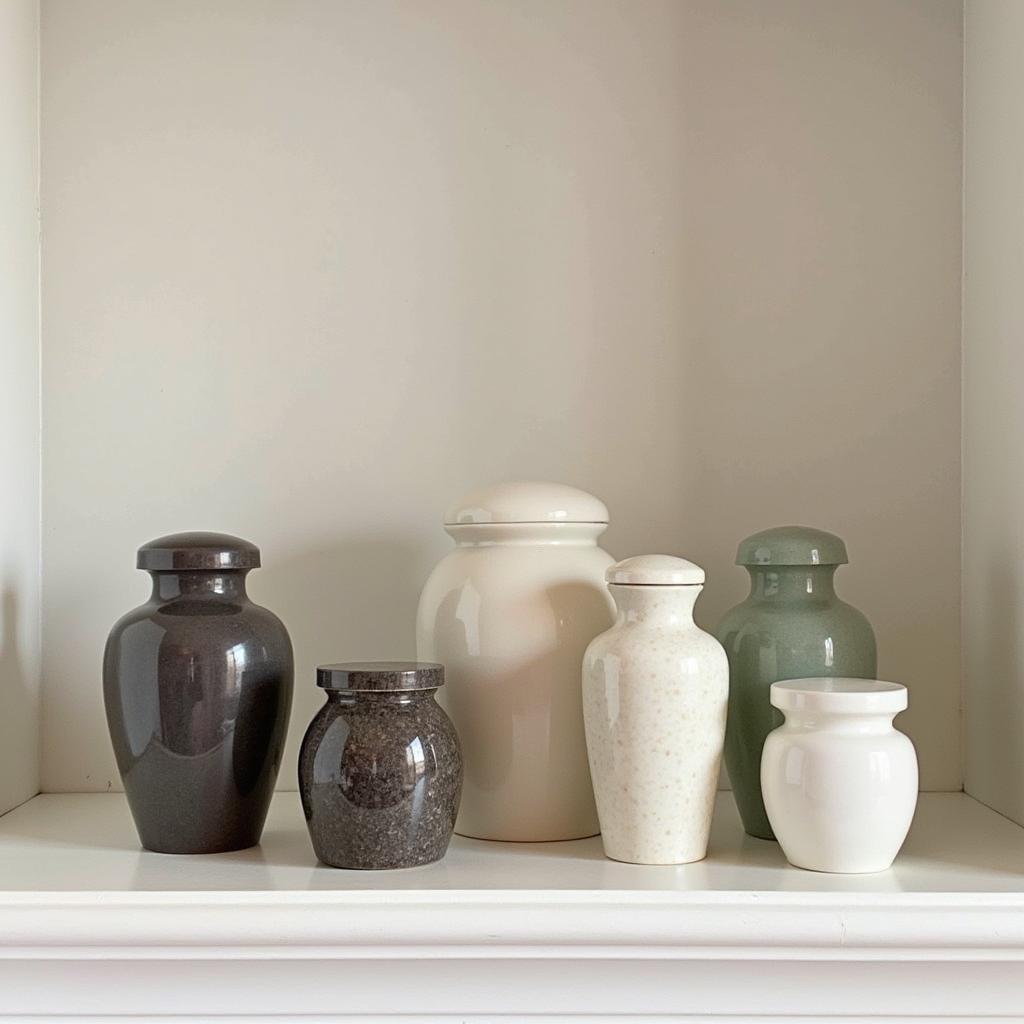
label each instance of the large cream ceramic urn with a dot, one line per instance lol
(509, 612)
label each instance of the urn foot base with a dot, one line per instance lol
(655, 861)
(433, 858)
(491, 837)
(849, 868)
(184, 850)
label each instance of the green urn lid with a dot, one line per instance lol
(792, 545)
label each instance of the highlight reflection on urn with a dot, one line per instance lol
(380, 769)
(510, 612)
(197, 684)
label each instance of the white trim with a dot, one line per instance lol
(513, 925)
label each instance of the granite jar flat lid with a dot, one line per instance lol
(379, 676)
(792, 545)
(198, 551)
(527, 502)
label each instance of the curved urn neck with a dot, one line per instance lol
(217, 584)
(670, 606)
(792, 582)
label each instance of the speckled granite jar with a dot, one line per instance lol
(380, 769)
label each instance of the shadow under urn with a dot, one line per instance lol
(380, 768)
(791, 626)
(197, 684)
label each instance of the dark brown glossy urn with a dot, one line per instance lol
(197, 684)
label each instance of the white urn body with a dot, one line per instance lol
(509, 613)
(839, 781)
(655, 694)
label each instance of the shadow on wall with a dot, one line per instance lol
(17, 701)
(354, 600)
(998, 665)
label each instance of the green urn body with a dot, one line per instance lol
(791, 626)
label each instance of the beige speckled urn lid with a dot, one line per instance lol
(655, 571)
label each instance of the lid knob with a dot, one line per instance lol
(198, 551)
(792, 545)
(655, 571)
(527, 502)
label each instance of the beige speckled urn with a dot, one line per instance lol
(655, 694)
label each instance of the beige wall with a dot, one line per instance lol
(994, 405)
(314, 268)
(19, 401)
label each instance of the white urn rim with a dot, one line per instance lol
(839, 695)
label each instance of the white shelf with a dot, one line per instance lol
(75, 888)
(86, 843)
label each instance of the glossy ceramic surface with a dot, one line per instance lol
(509, 612)
(521, 501)
(840, 783)
(655, 694)
(380, 770)
(197, 684)
(792, 625)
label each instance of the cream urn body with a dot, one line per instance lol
(509, 613)
(655, 695)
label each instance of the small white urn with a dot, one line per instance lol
(655, 693)
(839, 781)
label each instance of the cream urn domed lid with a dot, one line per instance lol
(527, 502)
(655, 571)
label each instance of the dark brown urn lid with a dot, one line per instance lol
(381, 675)
(198, 551)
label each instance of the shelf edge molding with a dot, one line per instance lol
(378, 925)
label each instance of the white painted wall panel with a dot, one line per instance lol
(994, 405)
(314, 268)
(20, 594)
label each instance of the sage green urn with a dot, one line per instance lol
(792, 626)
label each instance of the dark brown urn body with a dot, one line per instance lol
(197, 684)
(380, 769)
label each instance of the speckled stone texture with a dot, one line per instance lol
(655, 691)
(380, 769)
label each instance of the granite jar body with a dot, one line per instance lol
(380, 769)
(791, 626)
(510, 612)
(197, 684)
